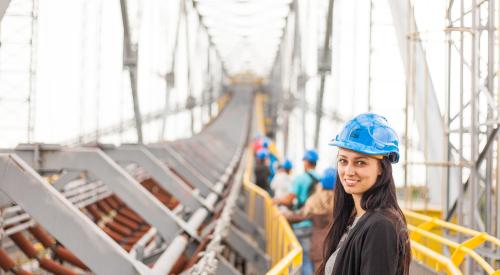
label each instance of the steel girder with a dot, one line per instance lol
(219, 142)
(248, 249)
(116, 178)
(157, 170)
(3, 7)
(63, 220)
(225, 268)
(130, 56)
(65, 178)
(185, 168)
(240, 220)
(102, 254)
(431, 128)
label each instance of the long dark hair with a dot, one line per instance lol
(381, 197)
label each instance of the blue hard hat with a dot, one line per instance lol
(311, 155)
(287, 164)
(265, 142)
(369, 134)
(329, 178)
(262, 154)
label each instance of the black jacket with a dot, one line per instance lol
(261, 175)
(371, 248)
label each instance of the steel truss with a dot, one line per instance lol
(18, 64)
(83, 176)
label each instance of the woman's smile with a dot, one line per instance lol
(351, 182)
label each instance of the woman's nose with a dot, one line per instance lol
(350, 169)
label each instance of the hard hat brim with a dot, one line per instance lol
(363, 149)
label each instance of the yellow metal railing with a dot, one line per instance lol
(259, 113)
(223, 100)
(440, 262)
(281, 244)
(423, 235)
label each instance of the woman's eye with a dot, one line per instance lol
(342, 161)
(360, 163)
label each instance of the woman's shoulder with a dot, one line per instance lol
(383, 219)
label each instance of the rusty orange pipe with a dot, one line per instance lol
(127, 222)
(9, 265)
(24, 244)
(68, 256)
(118, 228)
(104, 206)
(48, 264)
(114, 204)
(131, 215)
(94, 212)
(55, 267)
(49, 242)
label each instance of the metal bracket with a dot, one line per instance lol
(65, 179)
(184, 167)
(165, 178)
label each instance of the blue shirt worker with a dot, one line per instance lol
(301, 189)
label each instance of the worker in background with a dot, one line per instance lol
(300, 190)
(369, 233)
(261, 170)
(280, 185)
(273, 159)
(319, 209)
(257, 143)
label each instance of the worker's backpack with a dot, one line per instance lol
(311, 188)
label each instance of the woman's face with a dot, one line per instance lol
(357, 172)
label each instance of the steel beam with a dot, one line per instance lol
(431, 128)
(240, 219)
(208, 261)
(324, 69)
(67, 177)
(130, 56)
(184, 167)
(225, 268)
(165, 178)
(248, 250)
(4, 200)
(3, 7)
(116, 178)
(28, 189)
(487, 148)
(198, 159)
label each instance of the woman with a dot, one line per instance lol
(368, 234)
